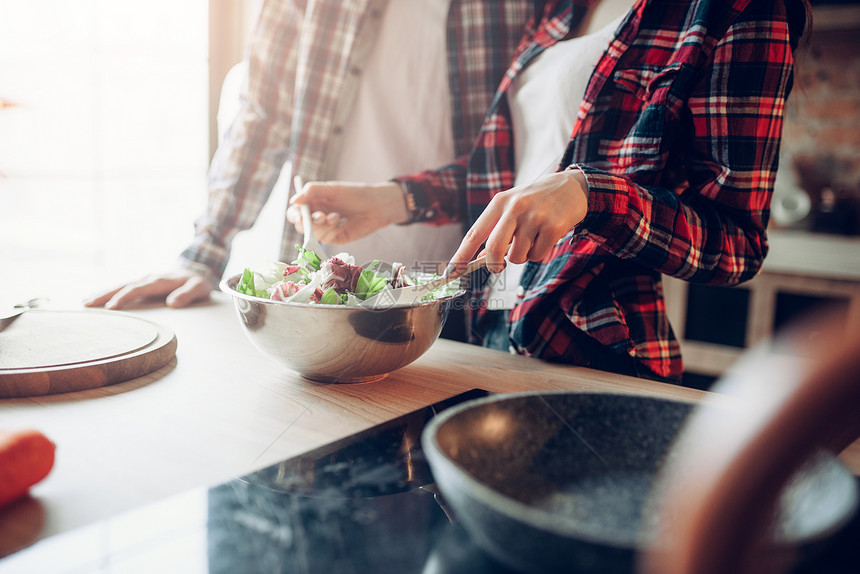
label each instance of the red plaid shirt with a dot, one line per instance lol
(678, 136)
(302, 82)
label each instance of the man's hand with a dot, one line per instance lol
(179, 288)
(344, 211)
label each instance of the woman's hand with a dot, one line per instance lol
(344, 211)
(179, 288)
(530, 218)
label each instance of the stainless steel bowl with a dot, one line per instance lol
(339, 344)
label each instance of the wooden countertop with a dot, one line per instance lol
(221, 409)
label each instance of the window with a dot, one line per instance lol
(103, 140)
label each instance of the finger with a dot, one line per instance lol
(122, 298)
(325, 222)
(100, 300)
(462, 256)
(541, 247)
(324, 230)
(192, 291)
(305, 193)
(497, 243)
(340, 233)
(320, 197)
(309, 193)
(126, 297)
(327, 228)
(298, 198)
(475, 237)
(294, 217)
(521, 246)
(136, 292)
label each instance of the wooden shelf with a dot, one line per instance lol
(827, 18)
(813, 254)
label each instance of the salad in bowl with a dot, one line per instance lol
(337, 280)
(313, 316)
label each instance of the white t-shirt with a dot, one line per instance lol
(544, 100)
(401, 124)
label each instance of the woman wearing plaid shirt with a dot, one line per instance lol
(669, 169)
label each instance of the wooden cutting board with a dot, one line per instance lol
(51, 351)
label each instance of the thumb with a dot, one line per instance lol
(303, 194)
(298, 198)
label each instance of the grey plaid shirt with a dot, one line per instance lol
(304, 61)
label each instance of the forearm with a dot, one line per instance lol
(243, 172)
(688, 237)
(248, 161)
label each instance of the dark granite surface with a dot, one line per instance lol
(364, 504)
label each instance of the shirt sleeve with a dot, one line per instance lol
(714, 230)
(434, 195)
(248, 161)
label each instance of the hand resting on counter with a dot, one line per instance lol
(178, 288)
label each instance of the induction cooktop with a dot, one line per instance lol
(364, 504)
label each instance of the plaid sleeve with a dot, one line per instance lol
(248, 162)
(713, 231)
(482, 37)
(435, 194)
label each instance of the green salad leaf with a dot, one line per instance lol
(246, 285)
(370, 282)
(307, 260)
(331, 297)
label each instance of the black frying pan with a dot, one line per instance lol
(560, 481)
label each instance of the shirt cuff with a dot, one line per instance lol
(200, 269)
(415, 200)
(607, 201)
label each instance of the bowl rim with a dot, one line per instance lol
(225, 287)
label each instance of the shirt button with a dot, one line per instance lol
(430, 213)
(337, 130)
(355, 71)
(375, 13)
